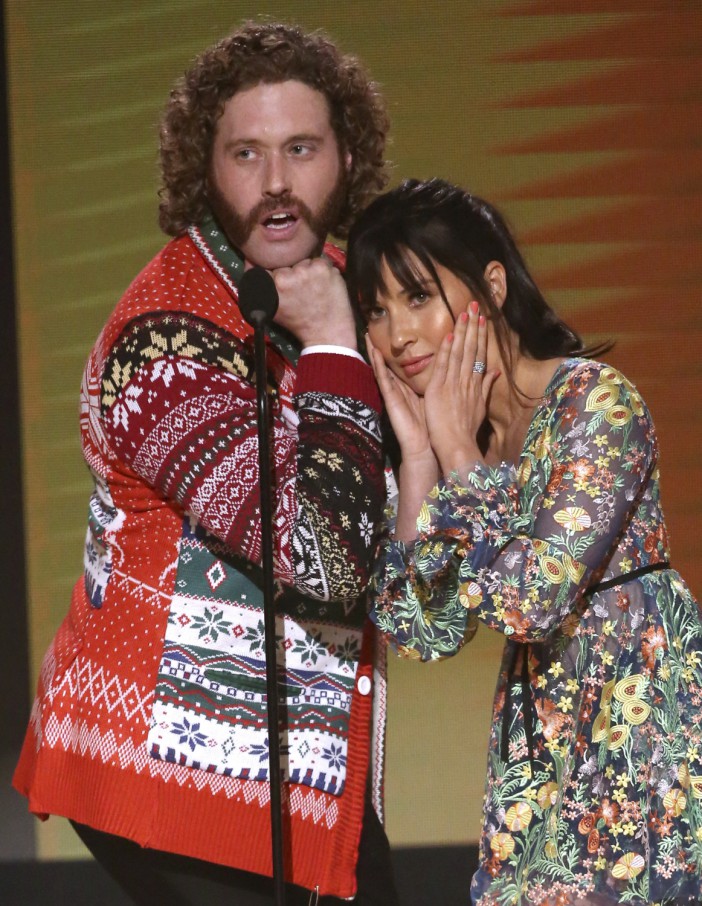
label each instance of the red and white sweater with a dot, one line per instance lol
(150, 717)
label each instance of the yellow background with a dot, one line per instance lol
(582, 119)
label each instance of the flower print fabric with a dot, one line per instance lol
(567, 556)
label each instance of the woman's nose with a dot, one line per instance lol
(402, 333)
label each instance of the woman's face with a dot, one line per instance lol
(407, 326)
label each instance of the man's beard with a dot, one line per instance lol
(238, 229)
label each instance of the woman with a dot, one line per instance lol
(529, 501)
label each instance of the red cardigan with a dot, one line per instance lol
(149, 721)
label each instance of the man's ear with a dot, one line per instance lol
(496, 279)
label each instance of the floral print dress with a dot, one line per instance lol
(594, 779)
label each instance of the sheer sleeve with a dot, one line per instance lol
(516, 550)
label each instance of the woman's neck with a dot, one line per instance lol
(511, 411)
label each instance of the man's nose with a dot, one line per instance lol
(276, 176)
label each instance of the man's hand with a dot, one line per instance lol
(314, 304)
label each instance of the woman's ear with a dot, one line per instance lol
(496, 279)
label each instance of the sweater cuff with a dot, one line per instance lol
(338, 375)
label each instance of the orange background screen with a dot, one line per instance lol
(581, 119)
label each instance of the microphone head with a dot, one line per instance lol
(258, 296)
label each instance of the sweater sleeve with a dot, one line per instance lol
(517, 550)
(178, 402)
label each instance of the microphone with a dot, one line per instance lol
(258, 296)
(258, 302)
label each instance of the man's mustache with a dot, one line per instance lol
(271, 205)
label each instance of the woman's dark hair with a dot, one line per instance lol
(268, 53)
(435, 222)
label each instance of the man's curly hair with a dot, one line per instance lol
(268, 53)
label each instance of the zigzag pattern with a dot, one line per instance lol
(83, 680)
(79, 737)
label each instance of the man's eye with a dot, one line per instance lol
(300, 150)
(245, 154)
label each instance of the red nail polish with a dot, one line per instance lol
(474, 307)
(449, 338)
(464, 316)
(481, 320)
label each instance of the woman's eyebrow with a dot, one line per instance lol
(419, 283)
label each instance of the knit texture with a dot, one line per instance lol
(150, 718)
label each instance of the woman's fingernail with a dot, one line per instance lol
(464, 316)
(449, 338)
(474, 307)
(481, 320)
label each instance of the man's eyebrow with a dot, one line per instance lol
(290, 140)
(304, 137)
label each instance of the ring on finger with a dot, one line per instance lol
(479, 367)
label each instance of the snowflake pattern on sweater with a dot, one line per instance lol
(177, 407)
(149, 722)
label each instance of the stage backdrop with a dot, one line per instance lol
(581, 118)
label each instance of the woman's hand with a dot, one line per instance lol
(419, 469)
(405, 410)
(458, 391)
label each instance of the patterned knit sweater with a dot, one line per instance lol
(150, 717)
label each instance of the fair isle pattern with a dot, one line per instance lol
(83, 739)
(220, 256)
(177, 339)
(170, 381)
(103, 518)
(102, 689)
(179, 408)
(80, 738)
(380, 691)
(210, 706)
(91, 426)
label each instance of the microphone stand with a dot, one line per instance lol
(266, 489)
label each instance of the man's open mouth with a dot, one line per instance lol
(279, 221)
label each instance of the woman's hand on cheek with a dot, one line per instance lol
(457, 393)
(405, 410)
(419, 469)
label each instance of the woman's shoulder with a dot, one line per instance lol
(599, 387)
(582, 371)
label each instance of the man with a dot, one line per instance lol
(149, 728)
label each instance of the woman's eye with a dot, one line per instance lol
(419, 297)
(376, 313)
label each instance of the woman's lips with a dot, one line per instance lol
(414, 366)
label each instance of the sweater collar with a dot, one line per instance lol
(228, 264)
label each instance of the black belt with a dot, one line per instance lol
(627, 577)
(524, 679)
